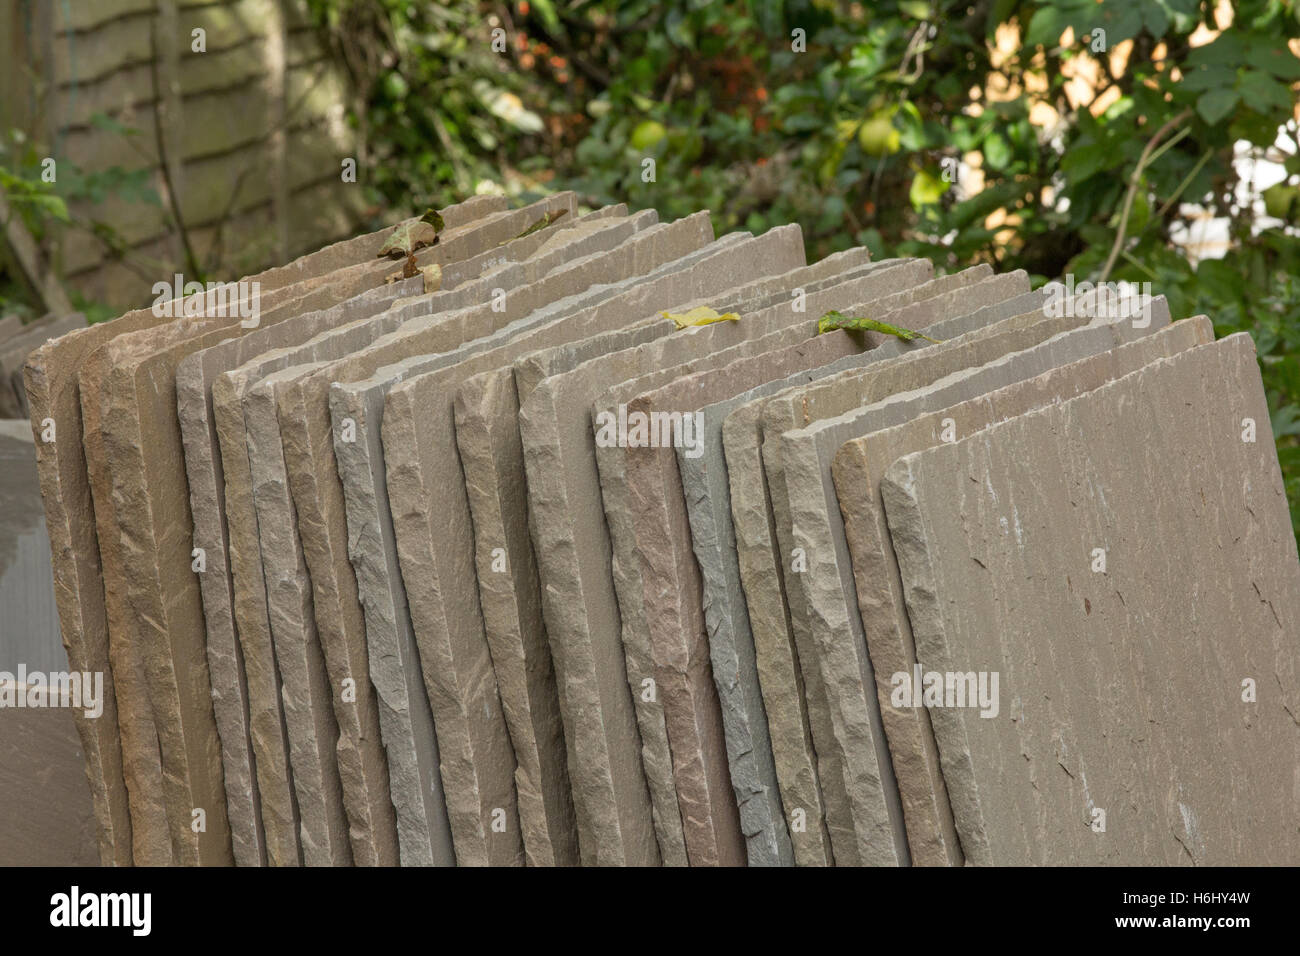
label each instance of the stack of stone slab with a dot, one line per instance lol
(505, 564)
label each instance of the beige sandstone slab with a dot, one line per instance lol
(13, 353)
(765, 749)
(246, 684)
(562, 471)
(395, 661)
(730, 809)
(307, 432)
(51, 387)
(824, 619)
(857, 470)
(653, 623)
(1120, 690)
(207, 494)
(781, 680)
(487, 435)
(287, 589)
(161, 622)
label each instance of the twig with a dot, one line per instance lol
(191, 260)
(1134, 180)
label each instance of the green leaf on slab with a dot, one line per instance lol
(834, 320)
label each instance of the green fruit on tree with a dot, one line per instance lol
(647, 135)
(878, 137)
(1278, 200)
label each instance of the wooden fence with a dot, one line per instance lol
(243, 142)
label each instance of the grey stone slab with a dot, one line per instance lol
(676, 651)
(857, 470)
(50, 380)
(13, 353)
(487, 435)
(250, 719)
(1126, 690)
(262, 524)
(823, 614)
(726, 785)
(10, 326)
(231, 667)
(30, 633)
(758, 564)
(357, 412)
(721, 606)
(575, 562)
(318, 497)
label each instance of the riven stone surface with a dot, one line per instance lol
(51, 385)
(153, 542)
(824, 615)
(767, 306)
(857, 470)
(689, 701)
(246, 685)
(792, 705)
(307, 432)
(357, 413)
(487, 434)
(726, 784)
(256, 716)
(605, 763)
(995, 536)
(262, 514)
(575, 556)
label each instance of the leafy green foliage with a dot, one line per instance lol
(1098, 131)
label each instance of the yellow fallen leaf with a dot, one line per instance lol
(432, 277)
(700, 315)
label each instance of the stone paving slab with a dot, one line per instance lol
(761, 573)
(487, 434)
(541, 778)
(318, 499)
(10, 326)
(824, 615)
(246, 684)
(562, 471)
(1120, 690)
(261, 514)
(13, 353)
(50, 381)
(686, 696)
(753, 734)
(766, 305)
(611, 799)
(857, 469)
(153, 540)
(357, 413)
(712, 738)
